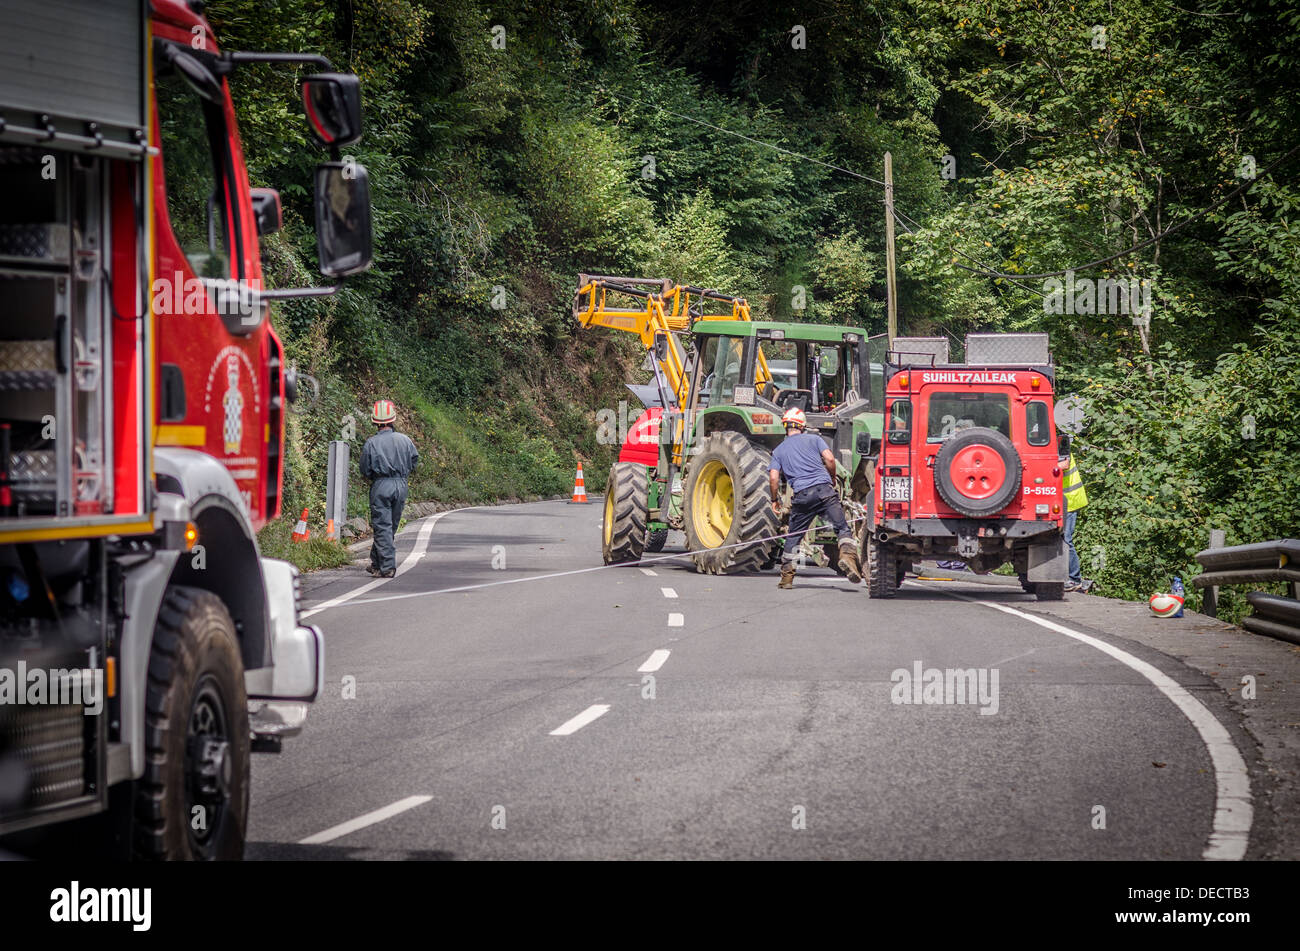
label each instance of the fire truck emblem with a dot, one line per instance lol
(233, 402)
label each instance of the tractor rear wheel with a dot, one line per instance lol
(627, 499)
(726, 505)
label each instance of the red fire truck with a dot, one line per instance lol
(146, 646)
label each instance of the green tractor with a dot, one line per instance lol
(714, 447)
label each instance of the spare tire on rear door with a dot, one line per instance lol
(977, 472)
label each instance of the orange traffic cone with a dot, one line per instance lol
(300, 531)
(579, 489)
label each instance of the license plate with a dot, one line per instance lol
(897, 489)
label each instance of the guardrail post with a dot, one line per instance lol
(336, 489)
(1210, 607)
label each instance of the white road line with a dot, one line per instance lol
(593, 712)
(649, 571)
(676, 620)
(369, 819)
(410, 561)
(1233, 813)
(668, 592)
(655, 661)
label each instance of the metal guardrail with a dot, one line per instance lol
(1263, 562)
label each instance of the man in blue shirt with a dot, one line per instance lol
(809, 467)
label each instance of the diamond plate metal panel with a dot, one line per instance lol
(922, 350)
(986, 350)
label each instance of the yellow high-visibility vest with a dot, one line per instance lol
(1075, 496)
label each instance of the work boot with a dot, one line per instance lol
(849, 561)
(787, 575)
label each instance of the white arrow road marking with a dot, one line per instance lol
(410, 561)
(668, 592)
(593, 712)
(1233, 813)
(655, 661)
(676, 620)
(369, 819)
(648, 571)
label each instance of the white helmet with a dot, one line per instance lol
(794, 417)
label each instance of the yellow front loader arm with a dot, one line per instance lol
(668, 310)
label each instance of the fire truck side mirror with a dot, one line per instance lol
(266, 210)
(343, 238)
(333, 105)
(1063, 442)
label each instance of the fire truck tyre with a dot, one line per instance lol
(627, 500)
(1049, 590)
(880, 565)
(192, 801)
(977, 471)
(727, 503)
(655, 540)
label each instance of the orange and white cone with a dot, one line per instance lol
(579, 489)
(300, 531)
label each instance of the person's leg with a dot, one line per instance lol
(382, 524)
(802, 513)
(833, 511)
(1076, 569)
(376, 515)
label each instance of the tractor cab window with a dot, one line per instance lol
(833, 368)
(952, 412)
(728, 355)
(196, 163)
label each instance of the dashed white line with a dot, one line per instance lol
(369, 819)
(655, 661)
(649, 571)
(676, 620)
(1233, 812)
(593, 712)
(668, 592)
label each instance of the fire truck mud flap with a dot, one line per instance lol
(1048, 561)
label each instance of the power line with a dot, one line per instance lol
(740, 135)
(1244, 186)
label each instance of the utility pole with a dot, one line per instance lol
(891, 283)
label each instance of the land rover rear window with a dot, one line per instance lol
(952, 412)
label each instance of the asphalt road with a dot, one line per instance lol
(770, 729)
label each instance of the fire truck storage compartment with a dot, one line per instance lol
(55, 381)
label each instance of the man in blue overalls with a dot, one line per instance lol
(387, 460)
(809, 467)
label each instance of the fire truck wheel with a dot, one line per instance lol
(1049, 591)
(627, 499)
(977, 471)
(727, 503)
(192, 801)
(655, 540)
